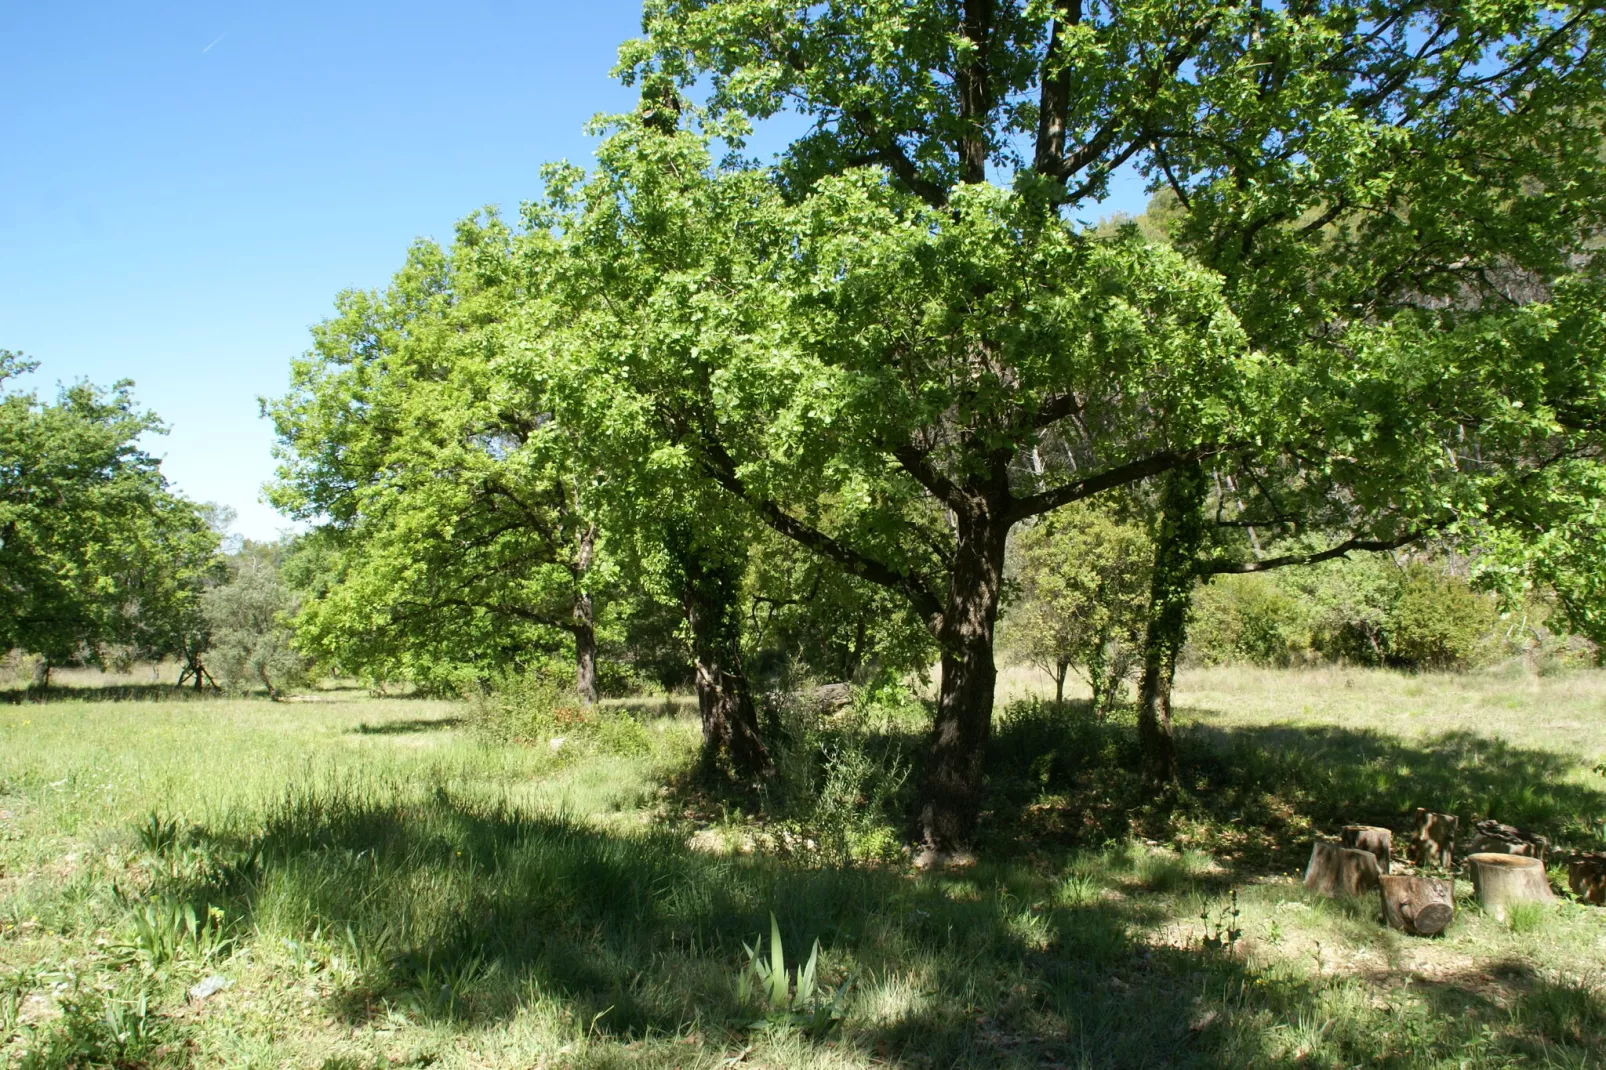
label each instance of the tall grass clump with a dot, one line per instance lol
(841, 791)
(539, 708)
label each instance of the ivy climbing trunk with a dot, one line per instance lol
(724, 700)
(955, 766)
(1176, 553)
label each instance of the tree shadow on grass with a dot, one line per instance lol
(1257, 795)
(406, 726)
(1322, 778)
(459, 909)
(466, 910)
(107, 693)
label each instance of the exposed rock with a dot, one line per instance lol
(208, 987)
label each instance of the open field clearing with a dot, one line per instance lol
(377, 885)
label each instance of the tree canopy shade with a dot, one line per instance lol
(95, 551)
(877, 351)
(457, 533)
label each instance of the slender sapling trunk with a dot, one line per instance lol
(584, 627)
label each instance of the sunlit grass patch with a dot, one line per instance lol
(469, 902)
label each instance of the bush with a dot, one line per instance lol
(1438, 621)
(537, 708)
(840, 790)
(252, 641)
(1247, 618)
(1367, 610)
(1347, 604)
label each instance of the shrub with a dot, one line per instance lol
(1438, 621)
(840, 782)
(1347, 604)
(537, 708)
(523, 707)
(249, 619)
(1247, 618)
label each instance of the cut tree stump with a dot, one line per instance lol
(1586, 876)
(1496, 838)
(1433, 840)
(1378, 841)
(1502, 879)
(1420, 905)
(1338, 870)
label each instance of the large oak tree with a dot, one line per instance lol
(920, 310)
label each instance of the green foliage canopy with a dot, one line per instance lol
(456, 532)
(97, 555)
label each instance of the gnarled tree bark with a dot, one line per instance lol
(963, 725)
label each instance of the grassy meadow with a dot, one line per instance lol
(371, 882)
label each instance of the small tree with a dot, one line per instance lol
(98, 556)
(249, 621)
(1084, 580)
(457, 530)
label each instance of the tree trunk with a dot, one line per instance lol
(1060, 669)
(1503, 879)
(585, 630)
(1098, 679)
(1421, 905)
(1176, 554)
(955, 766)
(1338, 870)
(41, 674)
(1433, 839)
(1379, 841)
(1586, 876)
(585, 651)
(1493, 837)
(730, 720)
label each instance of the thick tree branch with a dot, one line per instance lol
(1348, 546)
(1055, 97)
(517, 612)
(973, 80)
(1052, 410)
(721, 467)
(1119, 476)
(888, 153)
(917, 462)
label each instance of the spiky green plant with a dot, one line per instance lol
(797, 1002)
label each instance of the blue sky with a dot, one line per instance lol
(187, 186)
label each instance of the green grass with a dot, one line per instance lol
(379, 886)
